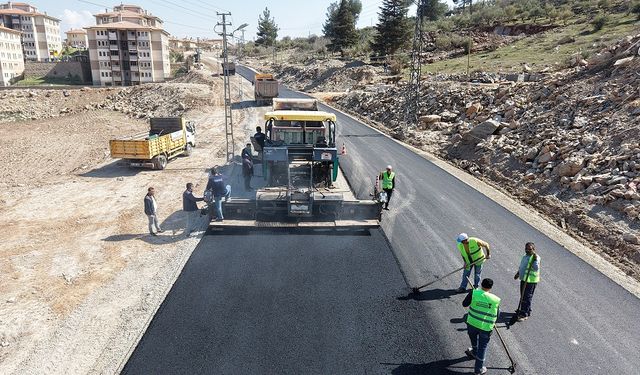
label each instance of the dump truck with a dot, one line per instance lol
(265, 88)
(302, 184)
(229, 68)
(167, 138)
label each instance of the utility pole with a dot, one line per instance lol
(412, 97)
(228, 119)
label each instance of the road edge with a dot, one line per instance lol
(531, 217)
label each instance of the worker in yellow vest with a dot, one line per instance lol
(471, 249)
(529, 274)
(388, 181)
(484, 309)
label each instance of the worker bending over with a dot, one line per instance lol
(473, 255)
(529, 274)
(484, 309)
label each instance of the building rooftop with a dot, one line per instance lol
(126, 13)
(77, 31)
(25, 13)
(122, 25)
(6, 29)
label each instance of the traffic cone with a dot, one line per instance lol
(344, 149)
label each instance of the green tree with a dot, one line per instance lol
(342, 31)
(392, 28)
(354, 6)
(433, 10)
(267, 29)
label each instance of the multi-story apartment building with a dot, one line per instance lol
(41, 38)
(128, 47)
(11, 60)
(77, 38)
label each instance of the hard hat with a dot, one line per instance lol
(388, 167)
(462, 237)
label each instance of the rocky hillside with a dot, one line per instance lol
(568, 145)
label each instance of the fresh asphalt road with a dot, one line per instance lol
(328, 303)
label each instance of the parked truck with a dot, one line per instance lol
(265, 88)
(228, 69)
(167, 138)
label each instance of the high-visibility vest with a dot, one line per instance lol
(530, 276)
(387, 179)
(475, 253)
(483, 311)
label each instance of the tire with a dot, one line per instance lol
(160, 162)
(188, 149)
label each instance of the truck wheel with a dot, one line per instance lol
(188, 149)
(159, 162)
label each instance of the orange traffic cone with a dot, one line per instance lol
(344, 150)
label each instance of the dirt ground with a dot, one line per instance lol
(80, 277)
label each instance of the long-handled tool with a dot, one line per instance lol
(512, 367)
(416, 289)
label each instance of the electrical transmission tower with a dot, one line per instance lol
(412, 98)
(228, 119)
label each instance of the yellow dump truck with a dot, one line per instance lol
(167, 138)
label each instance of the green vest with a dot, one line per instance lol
(387, 179)
(531, 276)
(483, 311)
(475, 251)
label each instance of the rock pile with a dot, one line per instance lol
(327, 75)
(149, 100)
(569, 144)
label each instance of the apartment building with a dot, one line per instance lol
(77, 38)
(128, 47)
(41, 38)
(11, 60)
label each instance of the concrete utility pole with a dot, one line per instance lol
(228, 118)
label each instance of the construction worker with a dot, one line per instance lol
(484, 309)
(220, 189)
(247, 172)
(190, 208)
(260, 138)
(151, 210)
(529, 274)
(388, 181)
(471, 249)
(247, 153)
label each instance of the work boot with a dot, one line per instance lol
(461, 290)
(469, 353)
(483, 371)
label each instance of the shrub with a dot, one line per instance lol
(600, 21)
(443, 42)
(396, 65)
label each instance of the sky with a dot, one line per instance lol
(197, 18)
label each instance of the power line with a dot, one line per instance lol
(178, 6)
(205, 5)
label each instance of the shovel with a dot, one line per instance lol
(416, 289)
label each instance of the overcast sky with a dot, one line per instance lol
(197, 18)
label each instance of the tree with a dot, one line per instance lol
(342, 31)
(433, 10)
(267, 29)
(354, 6)
(392, 28)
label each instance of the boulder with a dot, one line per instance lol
(430, 119)
(485, 129)
(570, 167)
(473, 109)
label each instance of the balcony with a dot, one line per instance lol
(114, 58)
(113, 36)
(113, 47)
(133, 57)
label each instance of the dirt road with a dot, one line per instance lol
(80, 276)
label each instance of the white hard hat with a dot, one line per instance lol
(462, 237)
(388, 167)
